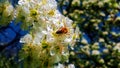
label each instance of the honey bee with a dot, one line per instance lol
(62, 30)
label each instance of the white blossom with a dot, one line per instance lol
(101, 40)
(71, 66)
(105, 51)
(26, 39)
(84, 41)
(60, 66)
(95, 52)
(117, 47)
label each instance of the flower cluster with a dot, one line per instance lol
(51, 33)
(6, 13)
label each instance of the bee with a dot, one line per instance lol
(62, 30)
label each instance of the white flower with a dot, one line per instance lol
(68, 40)
(105, 51)
(9, 10)
(95, 52)
(105, 32)
(26, 39)
(60, 66)
(96, 43)
(71, 66)
(101, 61)
(84, 41)
(101, 40)
(106, 1)
(44, 32)
(117, 47)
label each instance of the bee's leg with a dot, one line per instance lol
(60, 49)
(68, 34)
